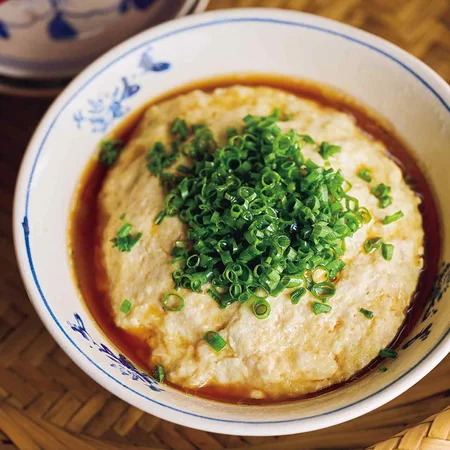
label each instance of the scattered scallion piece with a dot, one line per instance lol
(387, 250)
(365, 175)
(381, 192)
(160, 217)
(320, 308)
(109, 152)
(382, 369)
(122, 216)
(365, 215)
(372, 244)
(124, 240)
(368, 314)
(307, 139)
(385, 202)
(323, 291)
(261, 308)
(297, 295)
(180, 128)
(215, 340)
(159, 373)
(173, 302)
(260, 218)
(393, 217)
(326, 150)
(158, 160)
(126, 306)
(388, 353)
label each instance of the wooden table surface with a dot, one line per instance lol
(43, 392)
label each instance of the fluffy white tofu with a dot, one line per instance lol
(292, 352)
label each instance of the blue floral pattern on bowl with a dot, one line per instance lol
(104, 110)
(118, 361)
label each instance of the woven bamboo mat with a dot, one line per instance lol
(47, 402)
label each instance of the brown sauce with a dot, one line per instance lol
(85, 227)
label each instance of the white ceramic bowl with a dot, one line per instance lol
(391, 82)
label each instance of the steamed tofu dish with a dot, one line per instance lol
(256, 241)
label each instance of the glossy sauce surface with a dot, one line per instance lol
(86, 225)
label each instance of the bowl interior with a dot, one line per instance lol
(413, 99)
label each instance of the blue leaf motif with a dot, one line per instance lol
(129, 89)
(79, 327)
(143, 4)
(161, 66)
(59, 28)
(4, 33)
(108, 107)
(119, 362)
(147, 63)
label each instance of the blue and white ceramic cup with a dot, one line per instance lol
(51, 39)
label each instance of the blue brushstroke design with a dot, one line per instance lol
(60, 29)
(118, 361)
(4, 33)
(143, 4)
(146, 62)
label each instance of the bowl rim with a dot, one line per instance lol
(415, 67)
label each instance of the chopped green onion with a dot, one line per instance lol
(381, 192)
(387, 250)
(388, 353)
(385, 202)
(159, 373)
(372, 244)
(290, 281)
(365, 175)
(215, 340)
(259, 216)
(109, 152)
(297, 295)
(307, 139)
(124, 241)
(382, 369)
(365, 215)
(158, 159)
(326, 150)
(126, 306)
(160, 217)
(180, 128)
(122, 216)
(173, 302)
(392, 218)
(324, 290)
(320, 308)
(368, 314)
(261, 308)
(320, 274)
